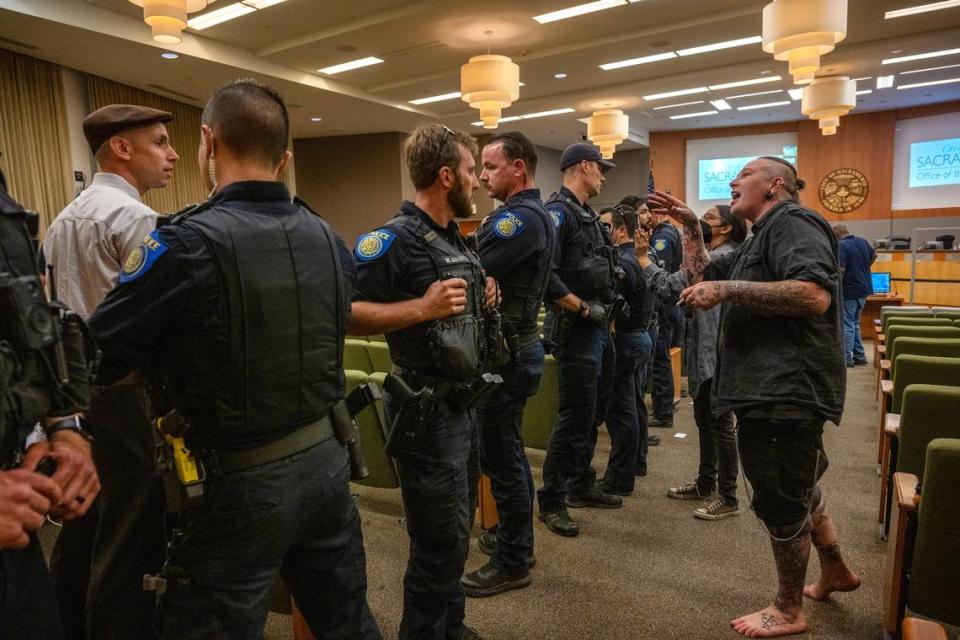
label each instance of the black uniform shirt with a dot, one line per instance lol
(631, 287)
(665, 240)
(569, 250)
(771, 365)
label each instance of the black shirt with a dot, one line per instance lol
(777, 366)
(665, 240)
(633, 288)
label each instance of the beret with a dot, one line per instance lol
(100, 125)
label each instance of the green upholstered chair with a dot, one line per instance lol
(370, 425)
(355, 355)
(923, 566)
(913, 331)
(950, 315)
(379, 354)
(377, 338)
(542, 409)
(916, 320)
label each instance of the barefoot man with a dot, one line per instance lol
(780, 369)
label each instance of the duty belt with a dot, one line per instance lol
(300, 440)
(442, 387)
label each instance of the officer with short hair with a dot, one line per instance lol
(582, 290)
(665, 241)
(516, 245)
(419, 283)
(237, 312)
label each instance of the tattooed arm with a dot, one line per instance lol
(785, 298)
(695, 256)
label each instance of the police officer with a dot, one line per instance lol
(581, 288)
(237, 312)
(44, 377)
(418, 282)
(516, 244)
(665, 240)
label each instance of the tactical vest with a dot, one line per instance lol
(523, 289)
(587, 262)
(279, 330)
(450, 347)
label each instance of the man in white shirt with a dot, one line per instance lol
(99, 561)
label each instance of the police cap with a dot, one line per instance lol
(106, 121)
(582, 151)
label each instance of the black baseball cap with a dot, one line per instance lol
(582, 151)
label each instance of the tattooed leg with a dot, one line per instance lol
(785, 616)
(834, 573)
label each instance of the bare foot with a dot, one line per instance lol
(829, 582)
(768, 623)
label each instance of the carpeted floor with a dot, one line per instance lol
(650, 569)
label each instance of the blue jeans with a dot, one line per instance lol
(503, 458)
(620, 404)
(293, 516)
(851, 330)
(585, 357)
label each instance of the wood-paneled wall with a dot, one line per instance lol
(863, 142)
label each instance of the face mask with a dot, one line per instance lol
(707, 232)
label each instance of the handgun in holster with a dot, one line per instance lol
(619, 310)
(413, 404)
(182, 473)
(344, 414)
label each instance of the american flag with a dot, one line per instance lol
(650, 187)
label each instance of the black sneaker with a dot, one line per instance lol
(653, 440)
(603, 487)
(661, 423)
(688, 491)
(560, 523)
(592, 497)
(487, 543)
(489, 580)
(860, 363)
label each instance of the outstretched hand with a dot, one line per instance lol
(664, 204)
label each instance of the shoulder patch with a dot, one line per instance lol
(371, 246)
(508, 225)
(659, 244)
(556, 214)
(142, 258)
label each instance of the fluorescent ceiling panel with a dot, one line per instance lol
(350, 66)
(679, 104)
(578, 10)
(220, 15)
(693, 115)
(923, 8)
(763, 106)
(744, 83)
(674, 94)
(864, 92)
(635, 61)
(528, 116)
(729, 44)
(946, 66)
(721, 105)
(921, 56)
(439, 98)
(750, 95)
(928, 84)
(884, 82)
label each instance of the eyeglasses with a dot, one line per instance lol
(443, 143)
(607, 225)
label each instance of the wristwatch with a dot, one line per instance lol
(73, 423)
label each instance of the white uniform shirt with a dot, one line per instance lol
(92, 237)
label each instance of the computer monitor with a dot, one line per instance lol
(881, 282)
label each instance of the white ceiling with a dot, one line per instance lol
(424, 42)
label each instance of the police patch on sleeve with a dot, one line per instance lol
(659, 244)
(371, 246)
(142, 258)
(556, 214)
(508, 225)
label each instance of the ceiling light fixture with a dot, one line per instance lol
(946, 66)
(928, 84)
(744, 83)
(168, 18)
(721, 105)
(439, 98)
(827, 99)
(578, 10)
(729, 44)
(795, 94)
(750, 95)
(674, 94)
(921, 56)
(693, 115)
(800, 31)
(169, 55)
(884, 82)
(679, 104)
(764, 105)
(607, 128)
(863, 92)
(490, 83)
(923, 8)
(657, 57)
(350, 66)
(316, 119)
(211, 18)
(528, 116)
(560, 76)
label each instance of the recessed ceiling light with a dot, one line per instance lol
(316, 119)
(217, 16)
(578, 10)
(896, 51)
(349, 66)
(560, 76)
(764, 72)
(864, 92)
(923, 8)
(928, 84)
(946, 66)
(884, 82)
(439, 98)
(657, 57)
(679, 104)
(921, 56)
(750, 95)
(763, 106)
(674, 94)
(693, 115)
(721, 105)
(169, 55)
(795, 94)
(744, 83)
(716, 46)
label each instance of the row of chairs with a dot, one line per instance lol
(918, 382)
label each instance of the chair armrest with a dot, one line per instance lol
(905, 485)
(881, 337)
(886, 387)
(882, 349)
(917, 629)
(891, 424)
(885, 365)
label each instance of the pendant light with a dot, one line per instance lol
(800, 31)
(607, 128)
(167, 18)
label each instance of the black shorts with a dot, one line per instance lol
(783, 461)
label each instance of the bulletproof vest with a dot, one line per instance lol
(279, 330)
(450, 347)
(587, 262)
(523, 289)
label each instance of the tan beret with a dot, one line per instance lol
(113, 118)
